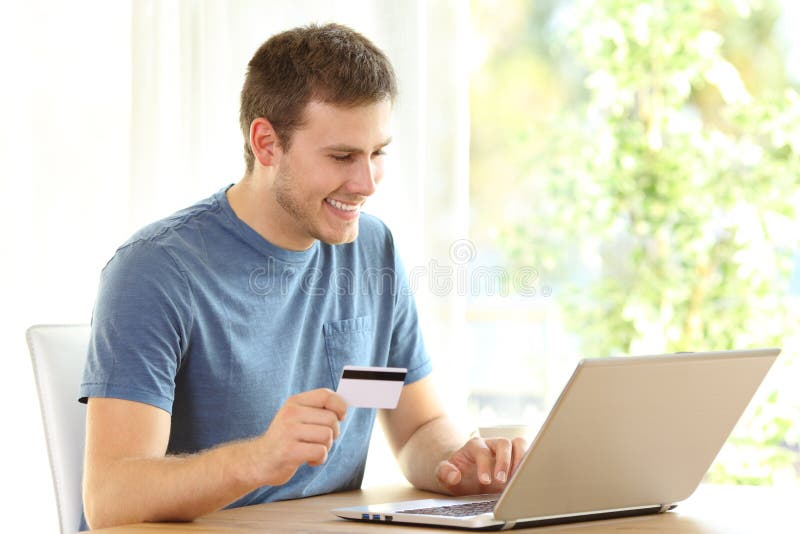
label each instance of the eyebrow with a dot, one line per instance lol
(354, 150)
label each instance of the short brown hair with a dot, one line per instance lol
(330, 63)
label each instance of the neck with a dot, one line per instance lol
(252, 200)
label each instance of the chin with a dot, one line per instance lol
(340, 239)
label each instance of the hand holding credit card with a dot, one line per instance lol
(371, 387)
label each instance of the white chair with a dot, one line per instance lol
(58, 354)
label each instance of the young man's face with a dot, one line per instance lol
(332, 166)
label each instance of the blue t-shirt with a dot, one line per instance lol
(199, 316)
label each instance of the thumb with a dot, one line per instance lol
(448, 474)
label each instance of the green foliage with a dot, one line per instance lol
(662, 204)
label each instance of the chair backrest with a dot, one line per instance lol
(58, 354)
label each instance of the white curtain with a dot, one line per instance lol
(115, 114)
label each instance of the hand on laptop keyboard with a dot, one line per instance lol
(481, 466)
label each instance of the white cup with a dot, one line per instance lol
(505, 431)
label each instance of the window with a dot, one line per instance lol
(639, 161)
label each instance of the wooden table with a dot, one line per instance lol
(712, 509)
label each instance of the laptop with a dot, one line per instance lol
(627, 436)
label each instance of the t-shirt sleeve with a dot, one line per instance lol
(140, 327)
(407, 347)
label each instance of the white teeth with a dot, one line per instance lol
(339, 206)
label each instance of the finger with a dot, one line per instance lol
(315, 416)
(448, 474)
(337, 405)
(483, 458)
(318, 434)
(518, 449)
(502, 457)
(323, 417)
(322, 398)
(313, 454)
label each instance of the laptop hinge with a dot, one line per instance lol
(508, 525)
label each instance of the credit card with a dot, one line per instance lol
(371, 387)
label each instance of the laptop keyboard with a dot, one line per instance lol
(455, 510)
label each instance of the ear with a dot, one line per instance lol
(264, 142)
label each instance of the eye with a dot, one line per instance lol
(378, 153)
(341, 157)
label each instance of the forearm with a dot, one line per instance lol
(170, 488)
(433, 442)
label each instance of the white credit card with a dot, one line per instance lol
(371, 387)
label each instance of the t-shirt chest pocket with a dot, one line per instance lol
(348, 342)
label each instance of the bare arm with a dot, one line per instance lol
(420, 434)
(128, 477)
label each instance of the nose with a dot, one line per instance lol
(366, 178)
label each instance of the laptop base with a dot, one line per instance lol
(405, 520)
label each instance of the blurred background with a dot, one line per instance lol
(644, 159)
(568, 179)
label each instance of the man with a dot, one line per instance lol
(219, 333)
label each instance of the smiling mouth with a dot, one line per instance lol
(341, 206)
